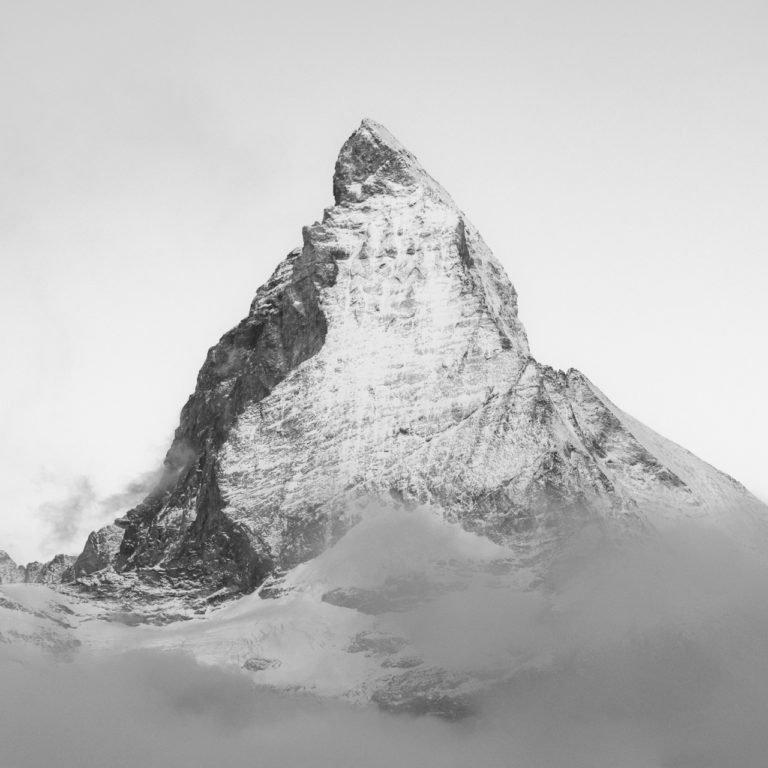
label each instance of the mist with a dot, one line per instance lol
(648, 654)
(76, 509)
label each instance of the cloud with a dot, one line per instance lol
(131, 494)
(77, 511)
(64, 517)
(651, 654)
(164, 710)
(659, 657)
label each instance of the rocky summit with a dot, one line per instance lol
(382, 367)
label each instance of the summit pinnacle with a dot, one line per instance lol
(372, 161)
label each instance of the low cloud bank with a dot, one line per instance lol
(145, 710)
(649, 655)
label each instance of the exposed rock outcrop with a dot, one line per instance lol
(53, 572)
(100, 550)
(10, 573)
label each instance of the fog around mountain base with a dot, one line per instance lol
(653, 654)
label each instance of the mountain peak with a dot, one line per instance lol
(380, 132)
(385, 360)
(372, 161)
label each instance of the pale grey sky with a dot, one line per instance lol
(157, 159)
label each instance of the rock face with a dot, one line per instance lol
(385, 359)
(53, 572)
(99, 552)
(10, 573)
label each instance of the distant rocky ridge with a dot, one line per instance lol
(385, 359)
(9, 571)
(99, 552)
(55, 571)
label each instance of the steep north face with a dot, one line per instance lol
(385, 359)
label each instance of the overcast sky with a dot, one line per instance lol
(157, 160)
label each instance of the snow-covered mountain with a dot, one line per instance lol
(385, 358)
(374, 436)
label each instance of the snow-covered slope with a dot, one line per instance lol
(381, 615)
